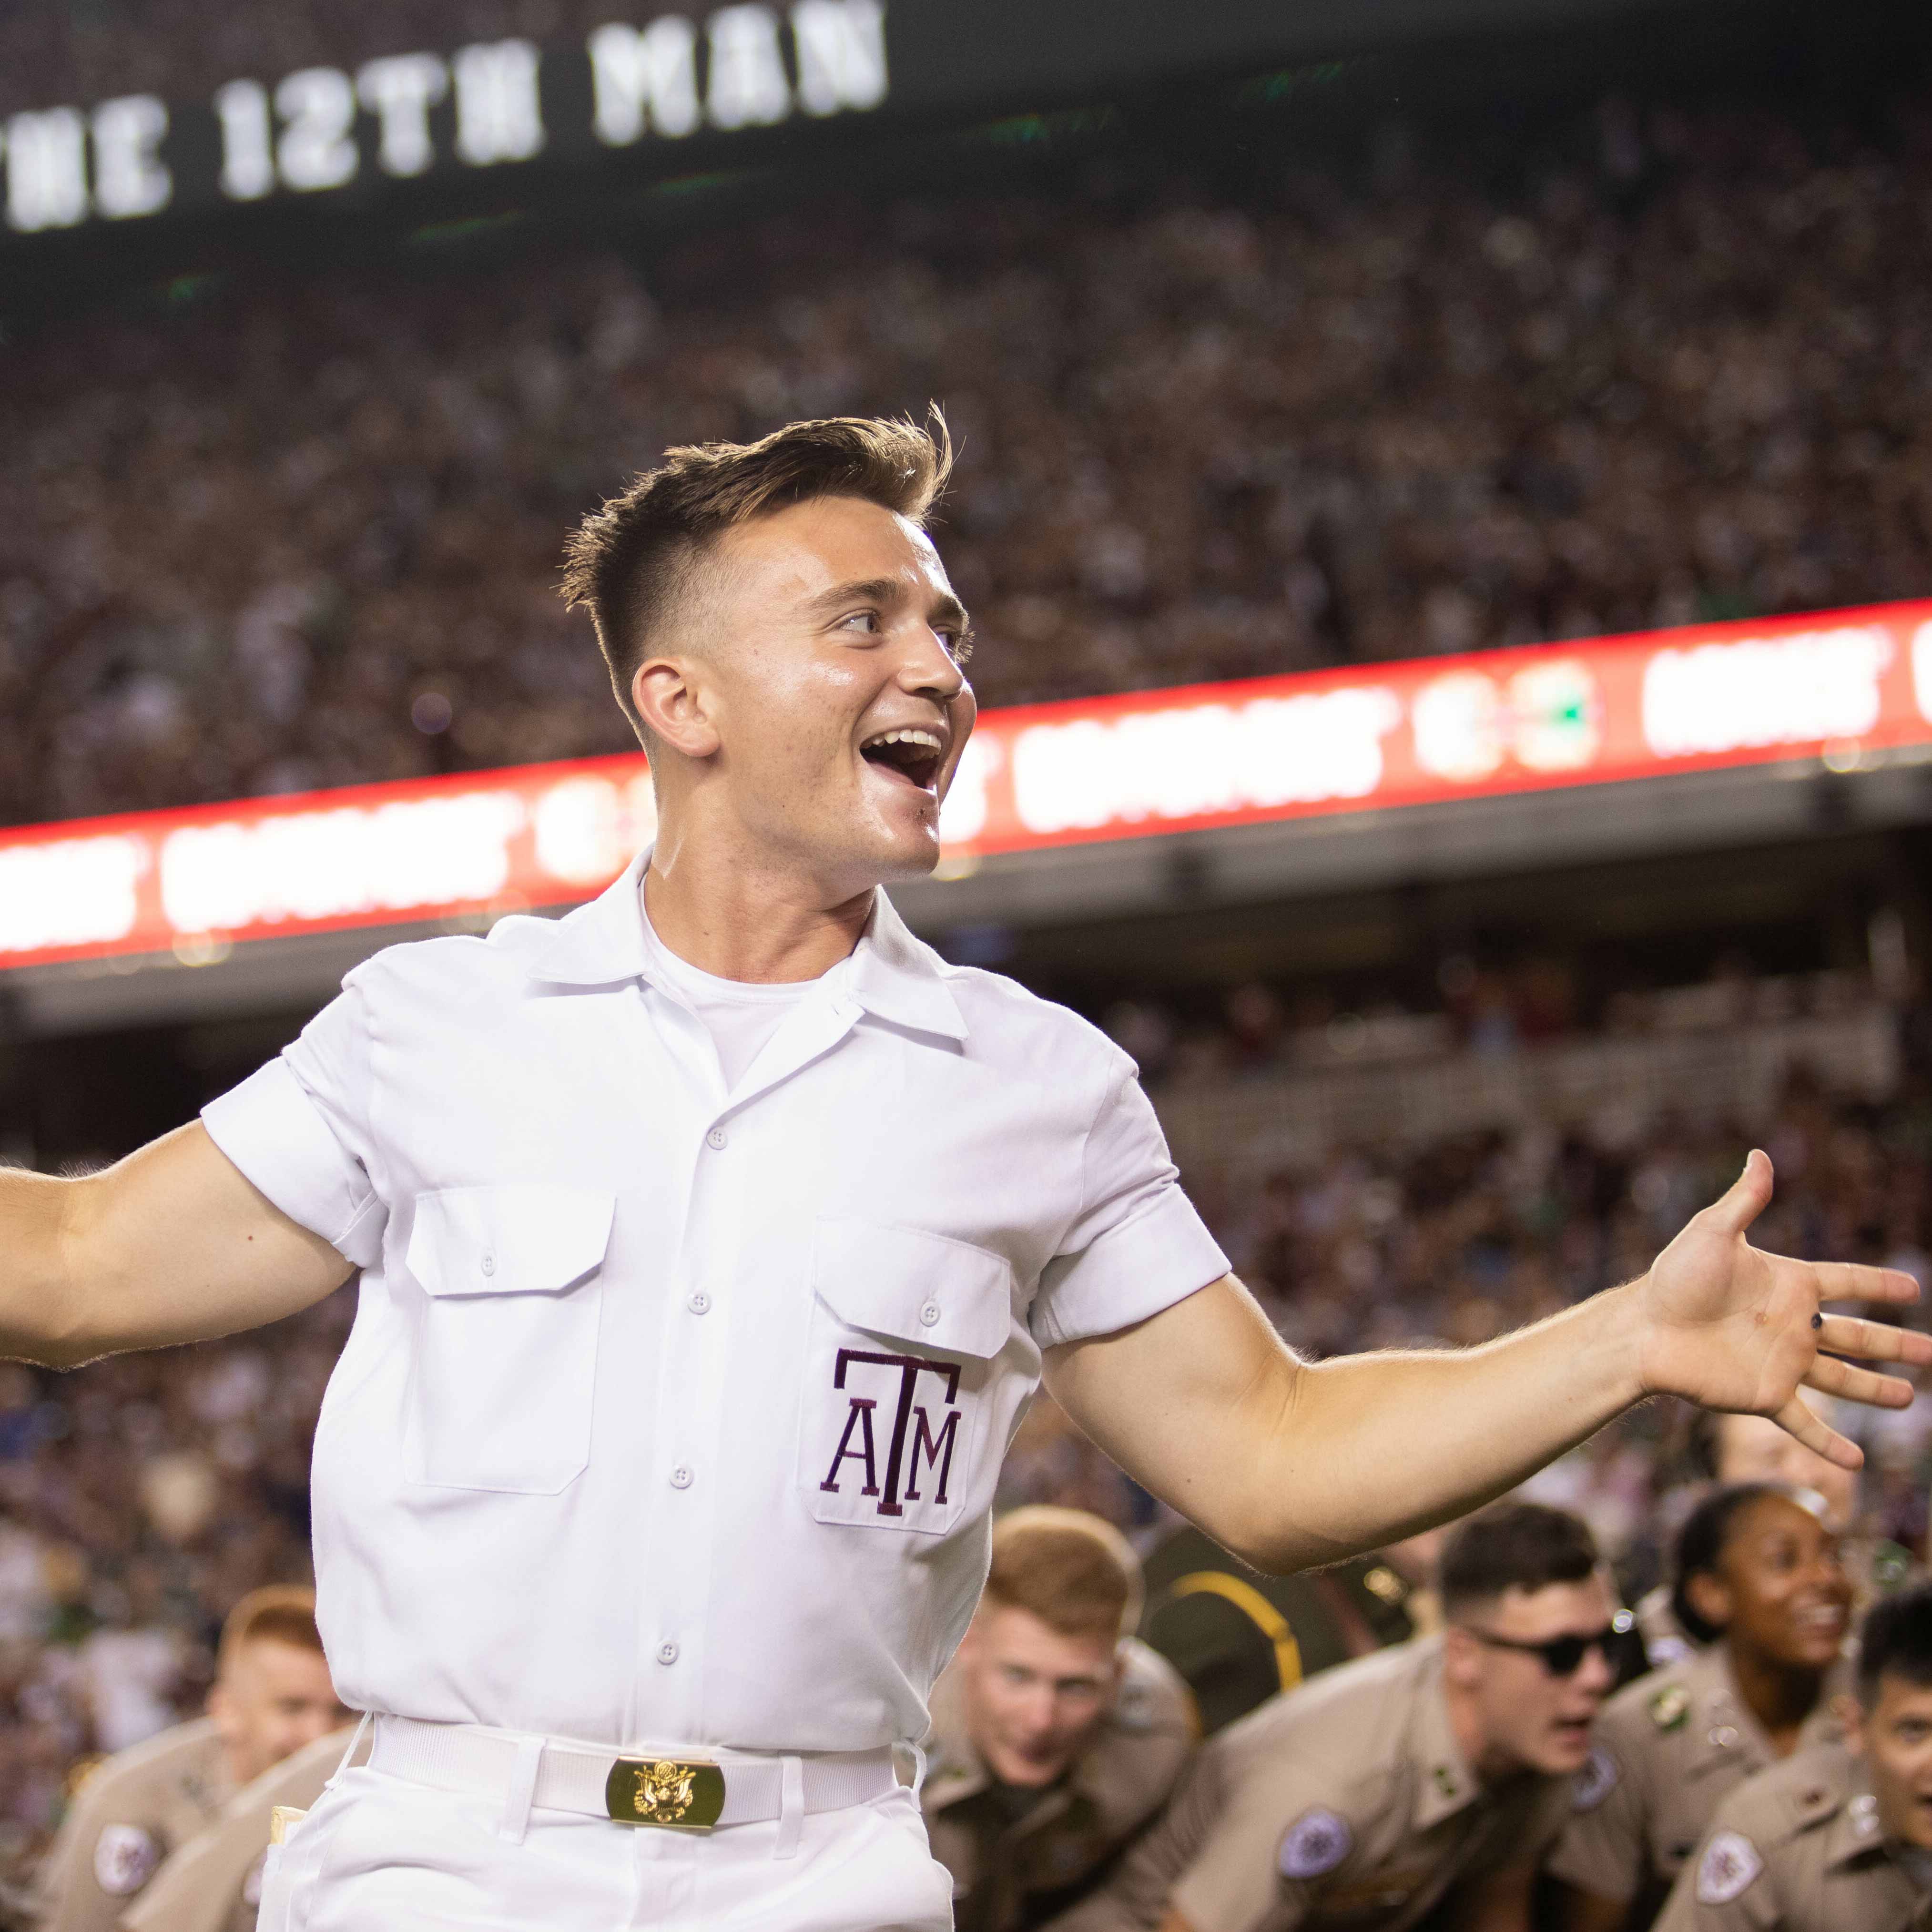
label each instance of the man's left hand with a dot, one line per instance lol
(1734, 1328)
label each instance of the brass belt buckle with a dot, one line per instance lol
(680, 1794)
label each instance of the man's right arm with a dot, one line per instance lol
(172, 1244)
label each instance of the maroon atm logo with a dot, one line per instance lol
(923, 1400)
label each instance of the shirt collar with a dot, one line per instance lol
(1447, 1783)
(894, 976)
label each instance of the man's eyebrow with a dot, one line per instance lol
(945, 608)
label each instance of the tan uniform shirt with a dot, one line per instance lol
(126, 1819)
(213, 1883)
(1798, 1849)
(1345, 1802)
(1014, 1869)
(1670, 1749)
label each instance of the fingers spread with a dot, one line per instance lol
(1833, 1377)
(1794, 1419)
(1750, 1194)
(1873, 1341)
(1847, 1281)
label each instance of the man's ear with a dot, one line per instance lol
(674, 706)
(1462, 1658)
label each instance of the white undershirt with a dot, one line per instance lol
(739, 1015)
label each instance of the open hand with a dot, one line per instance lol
(1733, 1328)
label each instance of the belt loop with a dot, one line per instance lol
(360, 1727)
(520, 1790)
(791, 1807)
(919, 1763)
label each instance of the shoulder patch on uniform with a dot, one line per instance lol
(1317, 1842)
(1729, 1863)
(1595, 1781)
(124, 1858)
(1669, 1707)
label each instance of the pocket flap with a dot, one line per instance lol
(530, 1238)
(913, 1286)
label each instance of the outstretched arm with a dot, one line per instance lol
(1292, 1463)
(172, 1244)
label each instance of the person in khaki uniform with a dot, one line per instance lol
(1728, 1449)
(1430, 1776)
(213, 1883)
(1837, 1838)
(1056, 1738)
(1759, 1584)
(271, 1695)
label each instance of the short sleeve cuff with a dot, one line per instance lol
(1160, 1257)
(276, 1135)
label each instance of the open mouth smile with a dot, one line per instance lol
(911, 754)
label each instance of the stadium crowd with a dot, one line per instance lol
(280, 534)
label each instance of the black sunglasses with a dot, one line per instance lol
(1563, 1656)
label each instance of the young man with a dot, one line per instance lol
(1431, 1775)
(1057, 1736)
(712, 1240)
(1837, 1839)
(271, 1696)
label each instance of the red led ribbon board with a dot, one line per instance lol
(1840, 684)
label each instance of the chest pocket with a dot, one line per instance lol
(500, 1393)
(894, 1424)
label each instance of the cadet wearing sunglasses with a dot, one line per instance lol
(1759, 1582)
(1426, 1779)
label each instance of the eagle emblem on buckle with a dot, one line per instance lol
(678, 1794)
(664, 1791)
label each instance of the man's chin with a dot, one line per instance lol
(1560, 1756)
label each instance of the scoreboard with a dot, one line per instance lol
(663, 94)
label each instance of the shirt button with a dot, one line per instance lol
(699, 1303)
(680, 1478)
(717, 1138)
(667, 1652)
(929, 1314)
(489, 1264)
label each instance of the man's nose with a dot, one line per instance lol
(927, 668)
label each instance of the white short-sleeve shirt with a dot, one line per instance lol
(670, 1415)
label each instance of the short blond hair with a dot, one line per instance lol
(280, 1613)
(1074, 1571)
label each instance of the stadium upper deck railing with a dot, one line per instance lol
(1612, 1089)
(1849, 688)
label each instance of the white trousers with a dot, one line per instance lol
(378, 1854)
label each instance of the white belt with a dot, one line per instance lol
(684, 1791)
